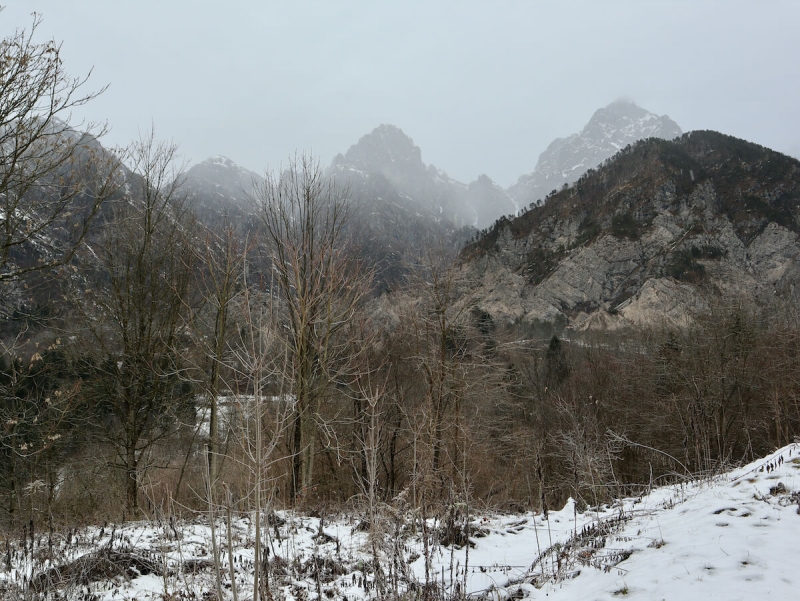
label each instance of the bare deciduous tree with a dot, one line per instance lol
(53, 178)
(321, 284)
(222, 253)
(136, 310)
(438, 321)
(260, 368)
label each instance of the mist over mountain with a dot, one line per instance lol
(630, 242)
(488, 200)
(399, 203)
(388, 154)
(223, 383)
(218, 186)
(385, 166)
(610, 129)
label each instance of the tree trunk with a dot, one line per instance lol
(131, 462)
(132, 483)
(213, 389)
(297, 450)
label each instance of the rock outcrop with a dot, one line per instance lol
(651, 236)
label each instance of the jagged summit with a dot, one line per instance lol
(610, 129)
(388, 151)
(386, 144)
(623, 122)
(219, 165)
(389, 154)
(483, 181)
(218, 159)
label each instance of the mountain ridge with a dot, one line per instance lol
(645, 237)
(387, 152)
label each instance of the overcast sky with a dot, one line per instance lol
(481, 87)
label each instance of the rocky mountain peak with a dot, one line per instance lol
(388, 150)
(483, 181)
(623, 122)
(388, 154)
(218, 185)
(610, 129)
(219, 170)
(620, 110)
(219, 160)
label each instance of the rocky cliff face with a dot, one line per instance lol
(648, 238)
(609, 130)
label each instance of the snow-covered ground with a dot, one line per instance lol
(734, 536)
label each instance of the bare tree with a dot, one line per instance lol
(260, 367)
(136, 312)
(438, 321)
(53, 178)
(222, 254)
(321, 284)
(53, 182)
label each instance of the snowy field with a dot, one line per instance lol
(736, 536)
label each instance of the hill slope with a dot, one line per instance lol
(638, 239)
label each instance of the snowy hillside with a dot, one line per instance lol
(732, 536)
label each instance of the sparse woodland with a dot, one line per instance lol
(154, 364)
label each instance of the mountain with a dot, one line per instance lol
(488, 201)
(389, 158)
(609, 130)
(392, 183)
(389, 154)
(400, 203)
(218, 185)
(648, 237)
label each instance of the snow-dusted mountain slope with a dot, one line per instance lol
(609, 130)
(218, 185)
(728, 536)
